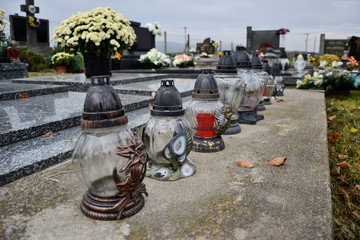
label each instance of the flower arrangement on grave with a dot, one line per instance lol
(183, 60)
(101, 31)
(283, 31)
(330, 79)
(192, 50)
(264, 46)
(61, 59)
(154, 29)
(205, 55)
(3, 22)
(215, 44)
(220, 54)
(327, 59)
(33, 22)
(155, 59)
(351, 63)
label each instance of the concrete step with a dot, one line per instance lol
(22, 119)
(184, 85)
(10, 91)
(78, 82)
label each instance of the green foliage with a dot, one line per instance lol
(76, 64)
(345, 146)
(36, 61)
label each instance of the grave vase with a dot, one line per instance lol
(61, 69)
(96, 65)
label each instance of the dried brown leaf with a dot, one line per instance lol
(277, 161)
(245, 163)
(24, 95)
(279, 100)
(48, 134)
(338, 170)
(333, 137)
(357, 187)
(150, 105)
(153, 94)
(342, 157)
(343, 164)
(332, 118)
(358, 163)
(358, 151)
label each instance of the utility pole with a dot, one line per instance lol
(314, 44)
(165, 42)
(185, 39)
(306, 41)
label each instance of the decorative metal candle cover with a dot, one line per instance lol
(207, 116)
(108, 157)
(168, 137)
(252, 94)
(270, 83)
(263, 76)
(231, 89)
(284, 62)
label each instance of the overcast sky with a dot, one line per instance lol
(224, 20)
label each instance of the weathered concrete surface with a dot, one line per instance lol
(221, 201)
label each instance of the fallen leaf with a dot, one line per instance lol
(150, 105)
(357, 187)
(346, 195)
(153, 94)
(352, 108)
(358, 151)
(279, 100)
(24, 95)
(245, 163)
(353, 130)
(343, 164)
(358, 163)
(342, 157)
(333, 137)
(332, 118)
(332, 149)
(277, 161)
(48, 134)
(338, 170)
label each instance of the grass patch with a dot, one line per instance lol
(344, 146)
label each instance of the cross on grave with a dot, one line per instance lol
(29, 8)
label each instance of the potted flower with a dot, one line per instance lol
(61, 60)
(183, 60)
(155, 59)
(97, 34)
(351, 63)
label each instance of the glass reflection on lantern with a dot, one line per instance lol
(207, 116)
(168, 136)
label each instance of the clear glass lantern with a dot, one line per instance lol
(270, 86)
(168, 136)
(278, 79)
(207, 116)
(253, 93)
(102, 159)
(263, 76)
(231, 89)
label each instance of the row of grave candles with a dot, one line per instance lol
(112, 161)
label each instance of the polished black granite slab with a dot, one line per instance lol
(26, 118)
(78, 82)
(23, 158)
(184, 85)
(10, 90)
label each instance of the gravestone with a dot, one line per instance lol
(206, 46)
(354, 47)
(332, 46)
(145, 41)
(36, 36)
(257, 38)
